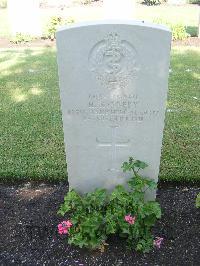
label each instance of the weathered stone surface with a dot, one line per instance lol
(113, 83)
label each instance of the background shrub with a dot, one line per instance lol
(53, 24)
(194, 2)
(21, 38)
(152, 2)
(85, 2)
(178, 29)
(178, 32)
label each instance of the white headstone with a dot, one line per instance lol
(24, 17)
(113, 82)
(119, 9)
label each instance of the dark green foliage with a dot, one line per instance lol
(198, 201)
(99, 214)
(21, 38)
(152, 2)
(31, 135)
(197, 2)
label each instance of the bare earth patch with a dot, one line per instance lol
(5, 43)
(192, 41)
(29, 230)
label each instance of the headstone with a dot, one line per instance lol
(120, 9)
(24, 17)
(113, 83)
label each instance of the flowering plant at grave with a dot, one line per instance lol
(64, 227)
(124, 212)
(129, 219)
(157, 242)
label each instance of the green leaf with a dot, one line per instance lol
(144, 245)
(126, 167)
(97, 214)
(140, 164)
(125, 230)
(198, 201)
(152, 207)
(64, 208)
(151, 183)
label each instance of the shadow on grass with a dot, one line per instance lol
(180, 161)
(31, 135)
(31, 142)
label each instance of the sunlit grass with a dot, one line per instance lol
(180, 158)
(31, 136)
(188, 15)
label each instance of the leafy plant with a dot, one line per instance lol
(178, 29)
(21, 38)
(179, 32)
(124, 212)
(197, 2)
(86, 2)
(152, 2)
(53, 24)
(198, 201)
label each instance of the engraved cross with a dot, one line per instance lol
(114, 145)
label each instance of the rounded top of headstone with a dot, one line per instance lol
(138, 23)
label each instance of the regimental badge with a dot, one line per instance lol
(114, 62)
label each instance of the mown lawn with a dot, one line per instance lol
(31, 136)
(181, 145)
(4, 24)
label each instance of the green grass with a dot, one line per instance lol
(4, 24)
(180, 157)
(31, 136)
(187, 15)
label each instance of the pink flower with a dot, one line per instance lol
(64, 226)
(129, 219)
(68, 224)
(157, 242)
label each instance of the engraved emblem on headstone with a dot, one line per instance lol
(114, 62)
(113, 91)
(113, 144)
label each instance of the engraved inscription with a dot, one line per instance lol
(114, 62)
(114, 144)
(116, 110)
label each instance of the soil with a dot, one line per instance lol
(5, 43)
(29, 221)
(192, 41)
(29, 235)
